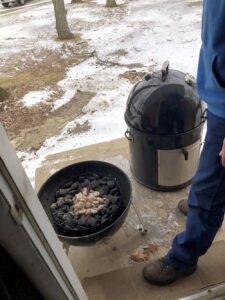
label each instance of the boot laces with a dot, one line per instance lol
(164, 264)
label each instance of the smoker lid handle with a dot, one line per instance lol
(128, 135)
(165, 70)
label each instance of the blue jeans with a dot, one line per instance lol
(206, 201)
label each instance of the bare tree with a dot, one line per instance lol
(61, 20)
(76, 1)
(111, 3)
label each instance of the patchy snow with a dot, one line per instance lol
(105, 114)
(146, 32)
(73, 78)
(152, 31)
(102, 2)
(82, 14)
(36, 97)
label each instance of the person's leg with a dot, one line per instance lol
(206, 201)
(206, 211)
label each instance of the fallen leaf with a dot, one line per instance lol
(152, 248)
(139, 256)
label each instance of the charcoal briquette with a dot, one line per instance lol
(53, 206)
(72, 207)
(71, 214)
(97, 217)
(83, 220)
(68, 228)
(87, 182)
(81, 179)
(67, 185)
(114, 191)
(103, 220)
(67, 217)
(76, 217)
(102, 211)
(94, 184)
(96, 176)
(65, 208)
(55, 213)
(60, 202)
(110, 218)
(80, 189)
(108, 197)
(103, 182)
(68, 199)
(108, 203)
(58, 221)
(102, 191)
(111, 184)
(63, 192)
(57, 194)
(115, 199)
(72, 192)
(106, 190)
(113, 208)
(72, 223)
(75, 185)
(105, 211)
(91, 222)
(80, 228)
(70, 202)
(60, 214)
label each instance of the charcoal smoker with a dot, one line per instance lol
(165, 117)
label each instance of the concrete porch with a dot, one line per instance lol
(105, 270)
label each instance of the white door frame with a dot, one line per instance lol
(27, 234)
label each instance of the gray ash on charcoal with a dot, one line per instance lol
(86, 204)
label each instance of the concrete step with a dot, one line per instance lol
(128, 284)
(99, 151)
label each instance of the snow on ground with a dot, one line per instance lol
(74, 78)
(147, 32)
(152, 30)
(36, 97)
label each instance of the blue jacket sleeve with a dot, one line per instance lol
(211, 68)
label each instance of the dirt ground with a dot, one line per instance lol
(23, 123)
(29, 127)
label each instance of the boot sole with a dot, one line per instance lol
(169, 281)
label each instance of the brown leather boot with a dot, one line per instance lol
(160, 272)
(183, 206)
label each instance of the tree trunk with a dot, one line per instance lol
(61, 21)
(111, 3)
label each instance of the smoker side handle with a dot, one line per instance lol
(128, 135)
(185, 153)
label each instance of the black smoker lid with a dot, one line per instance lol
(164, 104)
